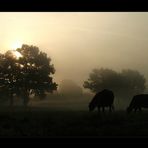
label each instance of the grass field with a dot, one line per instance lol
(42, 122)
(62, 117)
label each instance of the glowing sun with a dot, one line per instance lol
(13, 54)
(17, 54)
(16, 45)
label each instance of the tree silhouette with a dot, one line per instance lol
(28, 74)
(126, 83)
(9, 70)
(136, 81)
(3, 81)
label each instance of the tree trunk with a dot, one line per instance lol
(26, 101)
(11, 104)
(11, 101)
(25, 98)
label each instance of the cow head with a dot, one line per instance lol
(92, 105)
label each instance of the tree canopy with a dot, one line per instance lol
(26, 71)
(124, 83)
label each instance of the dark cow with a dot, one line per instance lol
(138, 102)
(102, 99)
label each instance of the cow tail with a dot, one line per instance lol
(118, 102)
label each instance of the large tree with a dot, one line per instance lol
(28, 71)
(8, 74)
(124, 83)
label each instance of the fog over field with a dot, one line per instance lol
(77, 42)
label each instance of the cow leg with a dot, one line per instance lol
(110, 108)
(98, 109)
(103, 109)
(140, 109)
(135, 109)
(113, 108)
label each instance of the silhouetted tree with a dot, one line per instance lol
(35, 74)
(126, 83)
(3, 81)
(8, 73)
(136, 81)
(26, 75)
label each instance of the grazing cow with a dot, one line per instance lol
(102, 99)
(138, 102)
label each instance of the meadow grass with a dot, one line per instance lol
(45, 122)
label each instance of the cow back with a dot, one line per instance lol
(140, 100)
(103, 98)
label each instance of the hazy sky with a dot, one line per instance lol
(79, 42)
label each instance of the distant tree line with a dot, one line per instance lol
(125, 83)
(25, 71)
